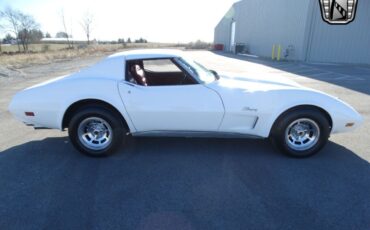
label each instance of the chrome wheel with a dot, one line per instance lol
(302, 134)
(95, 133)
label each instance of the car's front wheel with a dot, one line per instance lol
(301, 133)
(96, 131)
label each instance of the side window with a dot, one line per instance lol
(158, 72)
(160, 65)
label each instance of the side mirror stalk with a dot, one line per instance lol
(216, 74)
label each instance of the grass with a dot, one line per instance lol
(34, 47)
(47, 53)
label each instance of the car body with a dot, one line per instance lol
(177, 97)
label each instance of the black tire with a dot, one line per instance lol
(112, 120)
(280, 139)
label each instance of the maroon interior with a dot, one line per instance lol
(138, 73)
(168, 78)
(149, 78)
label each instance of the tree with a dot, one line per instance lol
(61, 34)
(129, 40)
(20, 25)
(62, 17)
(36, 36)
(122, 41)
(141, 40)
(28, 27)
(8, 39)
(1, 28)
(47, 35)
(11, 18)
(86, 25)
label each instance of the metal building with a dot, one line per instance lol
(299, 28)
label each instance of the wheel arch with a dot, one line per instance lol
(300, 107)
(74, 107)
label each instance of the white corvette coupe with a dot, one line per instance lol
(165, 93)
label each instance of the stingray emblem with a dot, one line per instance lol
(249, 109)
(339, 12)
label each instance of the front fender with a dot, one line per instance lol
(340, 112)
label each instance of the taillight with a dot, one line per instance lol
(29, 114)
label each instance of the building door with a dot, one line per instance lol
(232, 36)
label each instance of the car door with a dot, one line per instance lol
(178, 107)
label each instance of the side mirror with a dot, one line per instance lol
(216, 74)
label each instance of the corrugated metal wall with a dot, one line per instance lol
(341, 43)
(223, 29)
(262, 23)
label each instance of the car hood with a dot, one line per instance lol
(255, 82)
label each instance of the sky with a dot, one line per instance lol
(154, 20)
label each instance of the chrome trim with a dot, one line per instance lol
(129, 83)
(302, 134)
(201, 134)
(255, 123)
(95, 133)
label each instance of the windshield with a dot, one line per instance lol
(203, 74)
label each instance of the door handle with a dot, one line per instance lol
(130, 84)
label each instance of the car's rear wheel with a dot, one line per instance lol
(301, 133)
(96, 131)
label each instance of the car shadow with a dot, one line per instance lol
(354, 77)
(180, 183)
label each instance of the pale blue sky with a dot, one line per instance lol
(155, 20)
